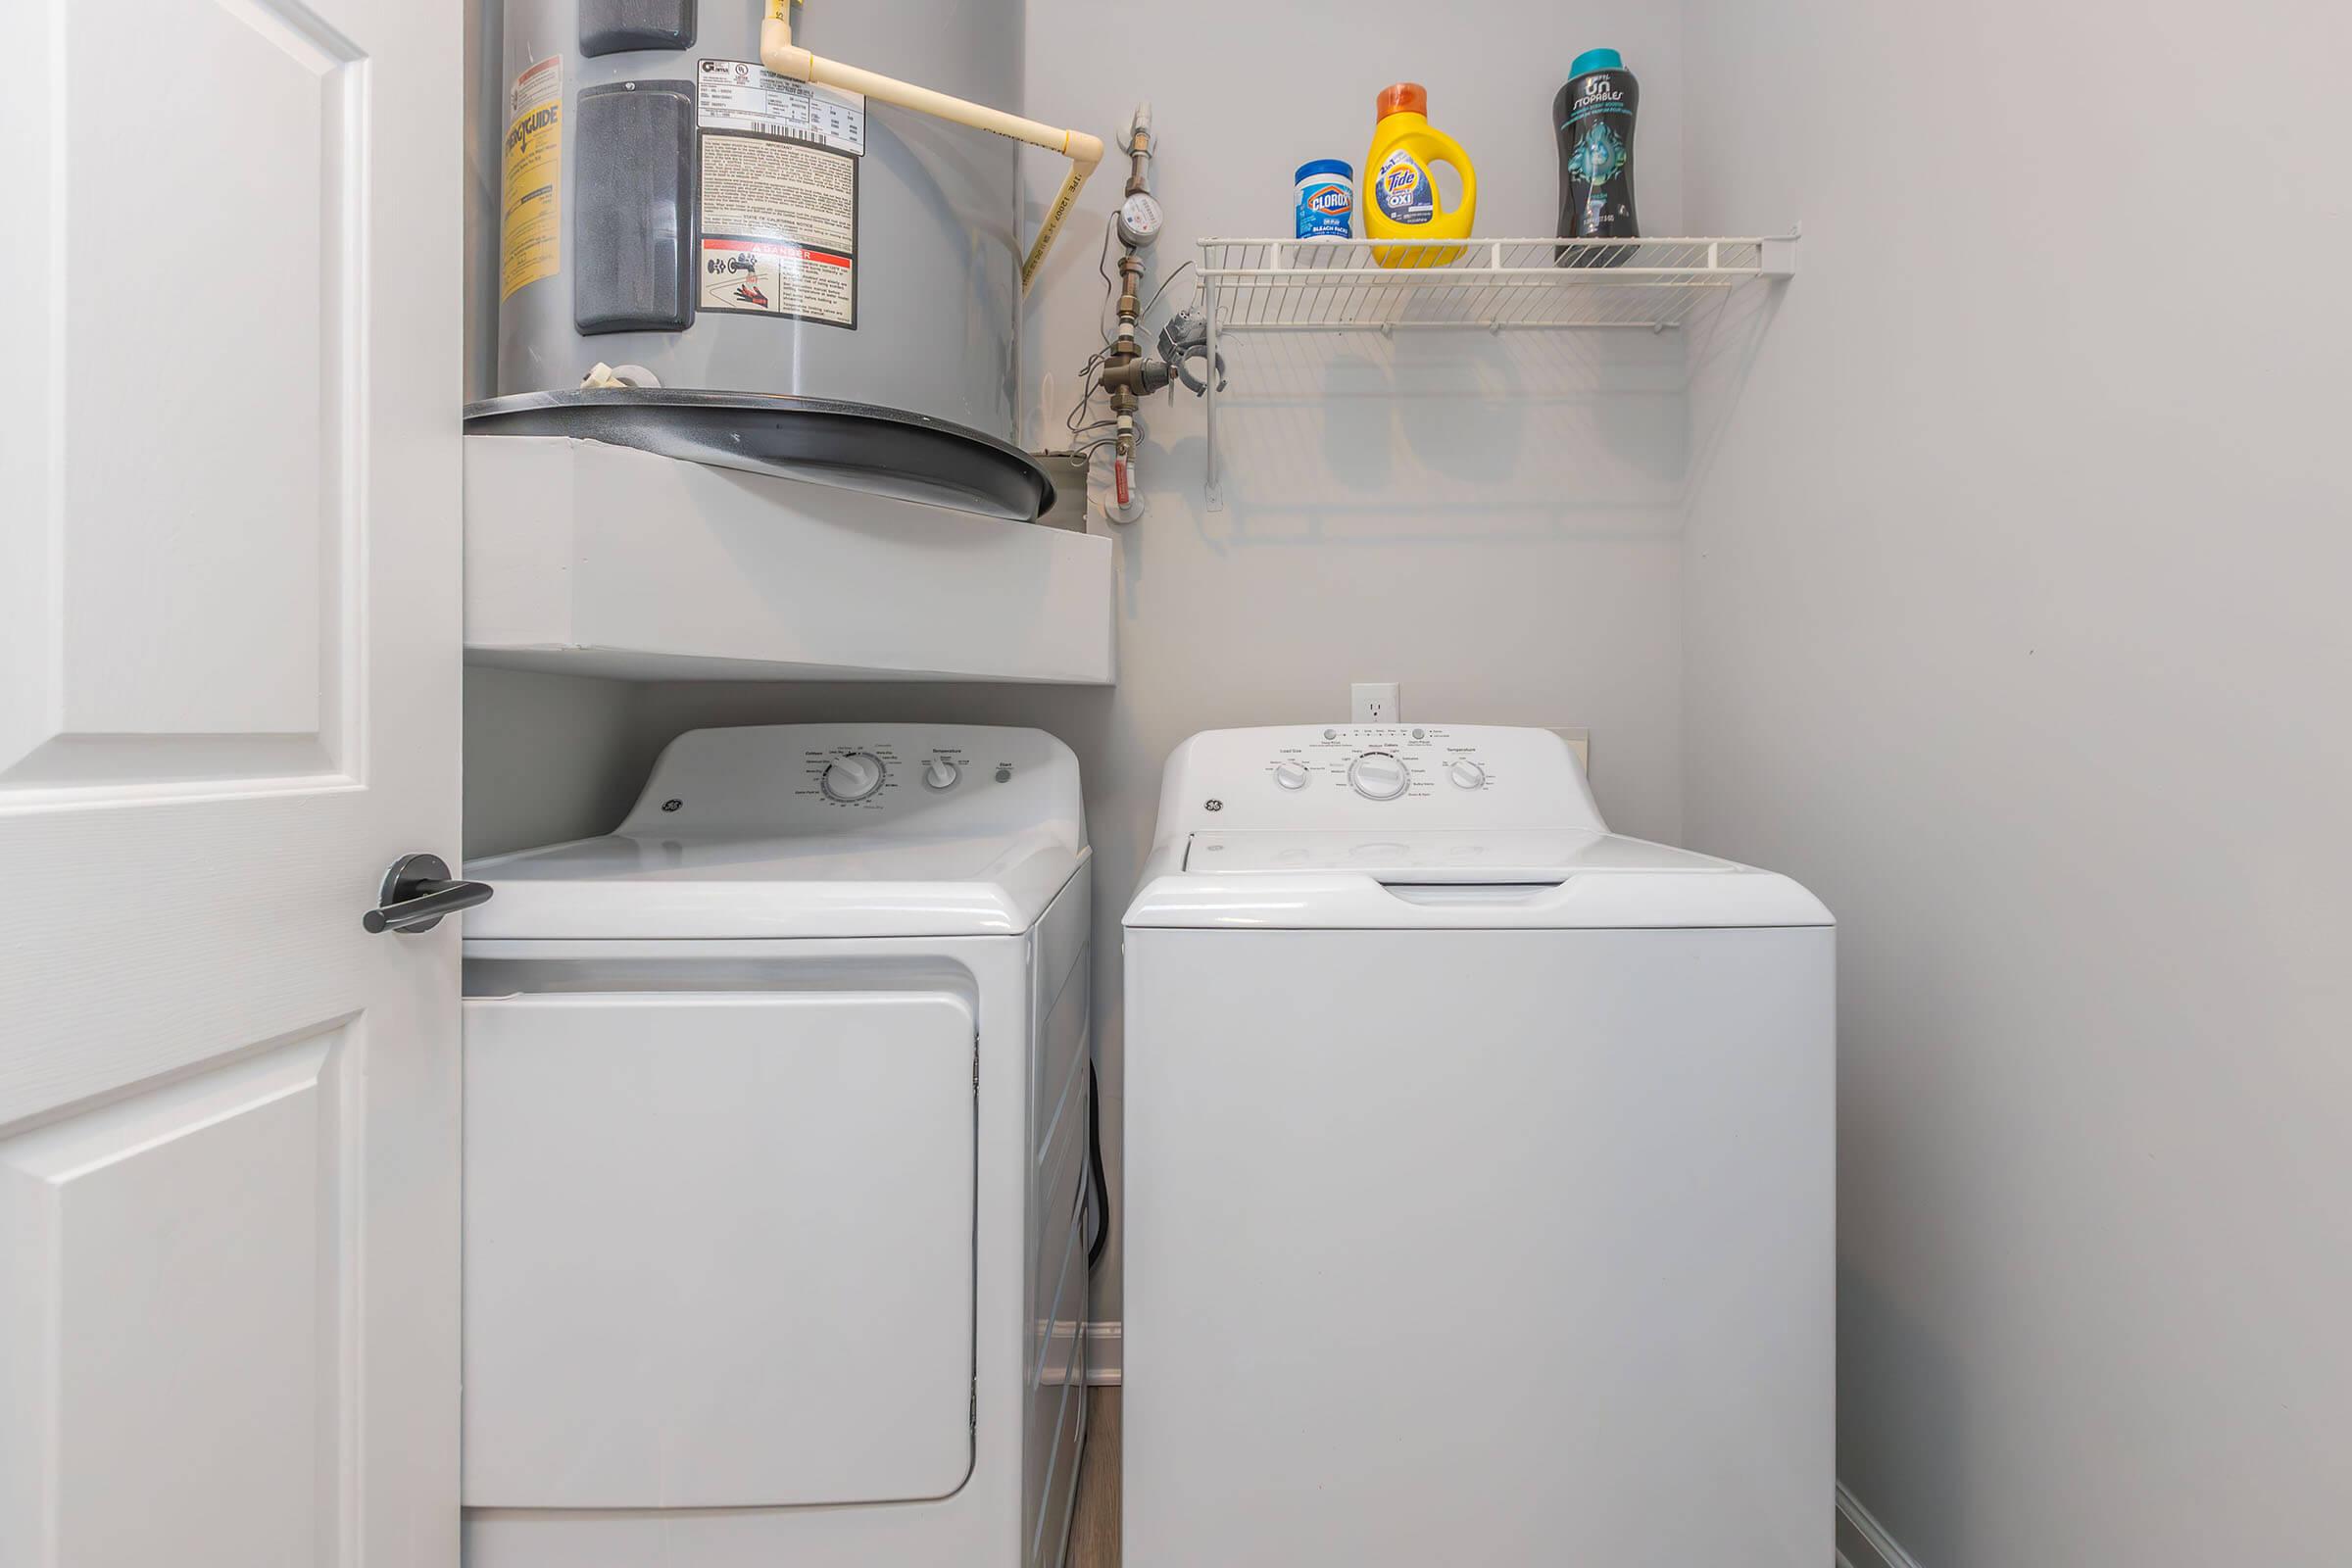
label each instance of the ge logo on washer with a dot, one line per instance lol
(1215, 805)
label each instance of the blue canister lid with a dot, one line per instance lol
(1597, 60)
(1325, 166)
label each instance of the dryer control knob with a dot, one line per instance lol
(1290, 775)
(1379, 777)
(853, 777)
(940, 774)
(1468, 774)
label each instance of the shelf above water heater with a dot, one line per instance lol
(1498, 286)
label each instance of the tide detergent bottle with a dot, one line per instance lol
(1400, 197)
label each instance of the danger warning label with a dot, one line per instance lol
(779, 229)
(770, 277)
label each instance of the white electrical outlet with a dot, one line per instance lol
(1374, 702)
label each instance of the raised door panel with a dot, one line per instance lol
(182, 589)
(183, 1241)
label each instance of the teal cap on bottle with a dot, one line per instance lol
(1597, 60)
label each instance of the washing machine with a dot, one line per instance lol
(1478, 1176)
(775, 1130)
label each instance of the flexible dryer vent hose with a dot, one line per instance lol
(780, 55)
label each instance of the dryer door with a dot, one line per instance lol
(718, 1248)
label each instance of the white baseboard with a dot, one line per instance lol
(1862, 1542)
(1102, 1354)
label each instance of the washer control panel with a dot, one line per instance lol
(1426, 775)
(1381, 763)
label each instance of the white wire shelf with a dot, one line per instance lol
(1256, 285)
(1492, 286)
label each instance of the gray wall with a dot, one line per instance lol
(548, 758)
(2015, 626)
(1500, 538)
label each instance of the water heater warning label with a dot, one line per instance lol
(531, 241)
(779, 229)
(744, 95)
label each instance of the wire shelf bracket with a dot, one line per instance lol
(1488, 285)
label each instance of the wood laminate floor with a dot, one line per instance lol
(1094, 1520)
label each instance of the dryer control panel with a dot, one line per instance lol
(933, 779)
(1396, 775)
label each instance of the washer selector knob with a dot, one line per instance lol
(1379, 777)
(852, 779)
(940, 774)
(1468, 774)
(1290, 775)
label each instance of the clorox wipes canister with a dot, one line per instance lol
(1401, 196)
(1326, 199)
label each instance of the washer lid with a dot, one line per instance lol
(1456, 879)
(1528, 855)
(654, 886)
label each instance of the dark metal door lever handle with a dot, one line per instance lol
(417, 892)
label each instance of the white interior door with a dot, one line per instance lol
(228, 698)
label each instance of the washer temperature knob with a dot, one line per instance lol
(1468, 774)
(1290, 775)
(940, 774)
(853, 777)
(1379, 777)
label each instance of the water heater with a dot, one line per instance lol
(782, 275)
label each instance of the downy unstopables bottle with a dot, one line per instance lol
(1593, 115)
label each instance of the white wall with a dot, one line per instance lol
(1500, 538)
(2015, 626)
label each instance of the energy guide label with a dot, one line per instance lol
(779, 229)
(530, 234)
(746, 97)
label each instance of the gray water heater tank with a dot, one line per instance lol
(819, 285)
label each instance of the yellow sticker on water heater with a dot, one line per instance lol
(530, 239)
